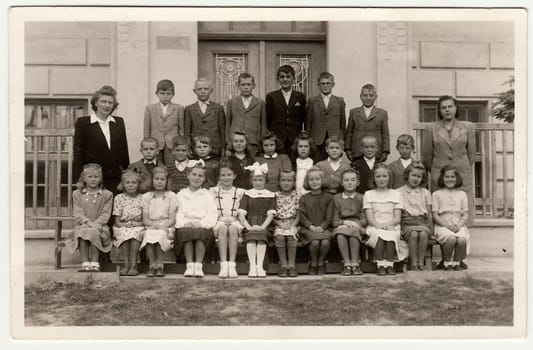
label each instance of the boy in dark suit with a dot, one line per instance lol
(365, 165)
(367, 120)
(285, 109)
(246, 113)
(149, 150)
(164, 120)
(206, 117)
(202, 150)
(326, 115)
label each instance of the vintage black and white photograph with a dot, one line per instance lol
(268, 167)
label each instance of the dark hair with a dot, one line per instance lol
(447, 98)
(287, 69)
(105, 90)
(245, 75)
(349, 171)
(458, 178)
(164, 85)
(240, 133)
(269, 135)
(226, 163)
(380, 166)
(405, 139)
(201, 139)
(179, 141)
(325, 75)
(418, 165)
(304, 136)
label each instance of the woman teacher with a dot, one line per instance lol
(450, 141)
(101, 138)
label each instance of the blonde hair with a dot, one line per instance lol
(313, 169)
(81, 184)
(129, 173)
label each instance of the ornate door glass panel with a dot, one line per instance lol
(228, 68)
(300, 63)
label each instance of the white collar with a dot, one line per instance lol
(369, 159)
(203, 102)
(325, 96)
(264, 193)
(273, 156)
(153, 161)
(95, 119)
(85, 190)
(304, 161)
(369, 109)
(352, 196)
(334, 161)
(286, 93)
(406, 162)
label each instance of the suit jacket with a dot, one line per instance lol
(377, 124)
(161, 127)
(365, 182)
(90, 146)
(397, 170)
(284, 120)
(251, 120)
(146, 175)
(212, 124)
(333, 178)
(321, 121)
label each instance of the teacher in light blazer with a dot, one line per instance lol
(101, 138)
(450, 141)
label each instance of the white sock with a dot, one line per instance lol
(251, 250)
(381, 263)
(261, 252)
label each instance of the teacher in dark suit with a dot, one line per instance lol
(450, 141)
(101, 138)
(285, 109)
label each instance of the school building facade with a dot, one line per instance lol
(410, 63)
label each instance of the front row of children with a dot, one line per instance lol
(394, 223)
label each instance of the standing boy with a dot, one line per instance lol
(164, 120)
(335, 165)
(247, 113)
(285, 109)
(326, 115)
(367, 120)
(365, 165)
(205, 117)
(149, 150)
(405, 146)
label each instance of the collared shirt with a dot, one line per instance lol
(246, 101)
(181, 165)
(334, 164)
(368, 110)
(406, 162)
(104, 126)
(287, 95)
(416, 200)
(203, 105)
(153, 161)
(272, 156)
(325, 98)
(164, 108)
(370, 162)
(352, 196)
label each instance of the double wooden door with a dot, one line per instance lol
(223, 61)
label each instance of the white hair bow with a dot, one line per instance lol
(258, 169)
(192, 163)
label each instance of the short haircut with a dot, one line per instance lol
(367, 137)
(81, 184)
(326, 75)
(380, 166)
(369, 87)
(313, 169)
(203, 80)
(447, 98)
(201, 139)
(335, 139)
(405, 139)
(458, 178)
(269, 135)
(164, 85)
(105, 90)
(287, 69)
(149, 140)
(304, 136)
(179, 141)
(129, 173)
(227, 164)
(290, 173)
(245, 75)
(349, 171)
(418, 165)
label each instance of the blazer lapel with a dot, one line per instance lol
(373, 113)
(281, 100)
(112, 134)
(361, 113)
(208, 109)
(443, 133)
(252, 103)
(321, 103)
(159, 110)
(171, 109)
(457, 132)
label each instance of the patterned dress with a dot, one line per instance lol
(286, 211)
(159, 209)
(128, 208)
(256, 205)
(450, 205)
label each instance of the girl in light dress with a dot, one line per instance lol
(92, 205)
(195, 218)
(129, 226)
(349, 222)
(276, 162)
(303, 149)
(417, 221)
(159, 216)
(315, 214)
(450, 214)
(383, 207)
(286, 224)
(256, 212)
(228, 228)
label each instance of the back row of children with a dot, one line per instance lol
(333, 204)
(285, 113)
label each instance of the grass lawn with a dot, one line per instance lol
(486, 299)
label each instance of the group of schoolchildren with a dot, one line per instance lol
(249, 175)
